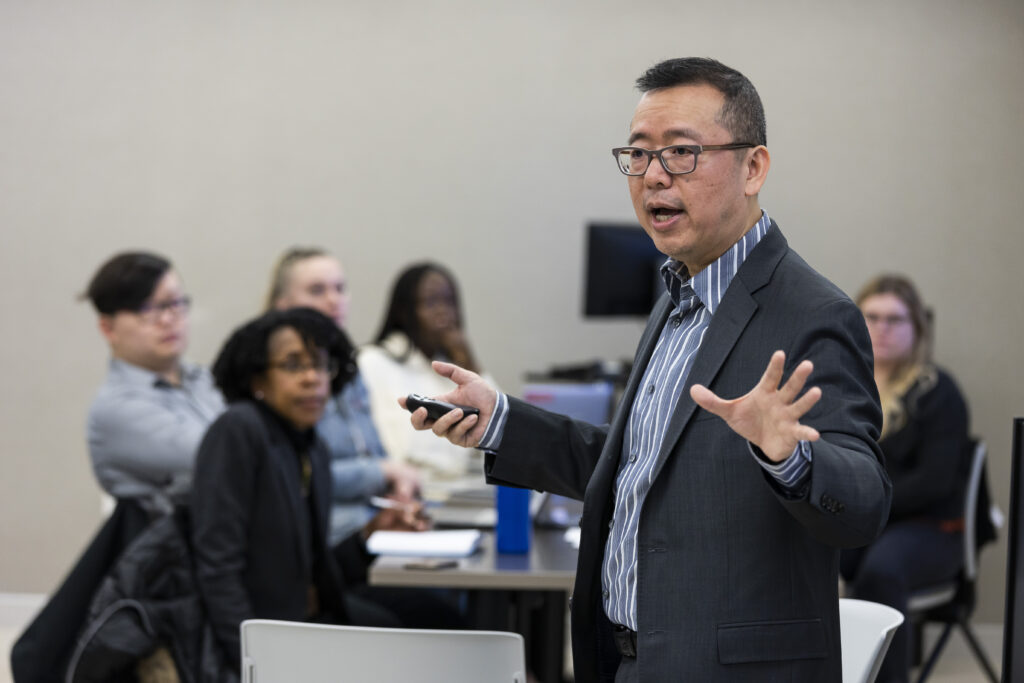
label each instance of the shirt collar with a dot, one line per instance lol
(709, 285)
(138, 376)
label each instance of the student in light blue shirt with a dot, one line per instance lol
(360, 466)
(147, 418)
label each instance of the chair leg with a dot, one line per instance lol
(916, 628)
(934, 656)
(979, 654)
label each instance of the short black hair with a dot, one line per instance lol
(125, 281)
(401, 313)
(742, 114)
(245, 355)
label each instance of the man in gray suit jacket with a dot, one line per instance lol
(711, 527)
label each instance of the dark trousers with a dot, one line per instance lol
(909, 555)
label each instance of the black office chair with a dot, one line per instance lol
(952, 603)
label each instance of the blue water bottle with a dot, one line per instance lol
(514, 526)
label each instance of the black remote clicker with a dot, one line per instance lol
(435, 408)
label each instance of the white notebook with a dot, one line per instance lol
(450, 543)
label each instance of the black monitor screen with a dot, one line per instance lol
(622, 271)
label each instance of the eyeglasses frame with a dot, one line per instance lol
(696, 150)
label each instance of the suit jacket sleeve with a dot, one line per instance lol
(847, 498)
(547, 451)
(223, 492)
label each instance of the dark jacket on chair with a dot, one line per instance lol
(41, 653)
(149, 600)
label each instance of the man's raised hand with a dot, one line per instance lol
(768, 416)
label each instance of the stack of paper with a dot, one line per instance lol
(454, 543)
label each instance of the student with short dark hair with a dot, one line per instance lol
(151, 411)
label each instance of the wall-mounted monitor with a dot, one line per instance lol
(621, 271)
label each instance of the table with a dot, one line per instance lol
(525, 593)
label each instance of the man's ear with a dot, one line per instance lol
(757, 170)
(105, 323)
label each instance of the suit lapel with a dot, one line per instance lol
(733, 315)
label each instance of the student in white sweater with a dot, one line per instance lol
(423, 322)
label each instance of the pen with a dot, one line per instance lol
(388, 504)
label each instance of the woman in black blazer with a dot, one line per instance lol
(261, 490)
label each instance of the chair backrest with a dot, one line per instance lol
(974, 480)
(866, 629)
(286, 651)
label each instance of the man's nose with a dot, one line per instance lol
(656, 175)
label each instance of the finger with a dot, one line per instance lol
(402, 402)
(809, 433)
(708, 400)
(453, 372)
(444, 369)
(773, 373)
(796, 381)
(458, 434)
(419, 419)
(803, 405)
(447, 421)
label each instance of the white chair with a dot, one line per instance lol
(866, 629)
(287, 651)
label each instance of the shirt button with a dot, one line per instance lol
(632, 457)
(611, 522)
(676, 322)
(650, 389)
(604, 594)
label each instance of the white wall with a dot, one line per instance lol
(219, 133)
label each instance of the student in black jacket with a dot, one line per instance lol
(261, 489)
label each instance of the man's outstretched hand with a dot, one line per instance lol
(471, 390)
(768, 416)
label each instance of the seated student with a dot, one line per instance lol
(359, 465)
(424, 322)
(148, 417)
(261, 492)
(927, 450)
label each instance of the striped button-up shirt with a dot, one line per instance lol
(695, 301)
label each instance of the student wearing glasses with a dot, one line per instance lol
(927, 453)
(716, 501)
(148, 416)
(360, 467)
(261, 492)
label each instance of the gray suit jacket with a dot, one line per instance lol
(736, 580)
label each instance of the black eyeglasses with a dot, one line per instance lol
(153, 311)
(875, 320)
(675, 159)
(296, 365)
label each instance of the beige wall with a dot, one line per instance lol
(219, 133)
